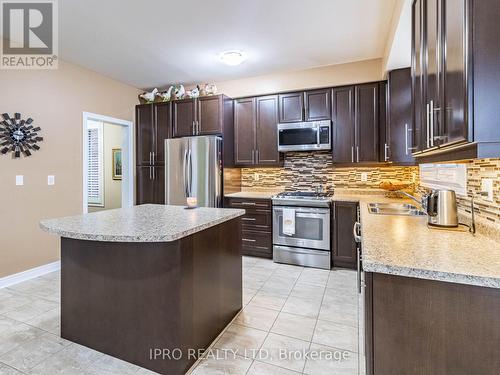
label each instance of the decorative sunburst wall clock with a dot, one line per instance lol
(18, 136)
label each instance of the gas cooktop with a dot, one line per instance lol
(306, 198)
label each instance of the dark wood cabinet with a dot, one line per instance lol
(419, 327)
(291, 107)
(454, 44)
(244, 131)
(343, 124)
(144, 134)
(366, 123)
(163, 129)
(150, 186)
(267, 131)
(355, 114)
(184, 115)
(344, 248)
(256, 224)
(210, 115)
(313, 105)
(318, 105)
(255, 124)
(398, 144)
(153, 126)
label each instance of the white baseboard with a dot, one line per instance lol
(29, 274)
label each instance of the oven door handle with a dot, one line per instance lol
(312, 211)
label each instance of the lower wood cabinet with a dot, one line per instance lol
(344, 248)
(150, 185)
(256, 224)
(427, 327)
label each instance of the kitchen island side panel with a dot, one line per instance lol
(126, 299)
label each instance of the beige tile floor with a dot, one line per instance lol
(288, 311)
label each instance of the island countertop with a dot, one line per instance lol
(144, 223)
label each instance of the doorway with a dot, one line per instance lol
(107, 163)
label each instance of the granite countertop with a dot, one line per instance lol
(405, 246)
(145, 223)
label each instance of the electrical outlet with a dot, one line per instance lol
(487, 187)
(413, 177)
(364, 176)
(256, 177)
(19, 180)
(51, 180)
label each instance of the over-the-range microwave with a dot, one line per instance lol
(305, 136)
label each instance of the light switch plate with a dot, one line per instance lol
(364, 176)
(487, 187)
(51, 180)
(19, 180)
(256, 176)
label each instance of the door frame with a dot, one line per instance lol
(127, 151)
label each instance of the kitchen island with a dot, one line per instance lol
(150, 284)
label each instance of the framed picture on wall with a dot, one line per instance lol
(117, 164)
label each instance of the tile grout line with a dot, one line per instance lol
(268, 332)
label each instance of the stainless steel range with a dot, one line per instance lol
(301, 229)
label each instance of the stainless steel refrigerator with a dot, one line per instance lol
(193, 168)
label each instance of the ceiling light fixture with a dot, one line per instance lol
(232, 58)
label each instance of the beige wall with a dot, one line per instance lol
(112, 138)
(55, 100)
(331, 75)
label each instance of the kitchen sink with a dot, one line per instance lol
(395, 209)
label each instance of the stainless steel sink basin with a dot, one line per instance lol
(395, 209)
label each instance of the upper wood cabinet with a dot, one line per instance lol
(367, 123)
(398, 138)
(255, 131)
(201, 116)
(343, 124)
(355, 114)
(455, 78)
(183, 119)
(153, 125)
(144, 134)
(267, 131)
(313, 105)
(318, 105)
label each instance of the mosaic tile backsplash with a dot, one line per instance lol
(305, 171)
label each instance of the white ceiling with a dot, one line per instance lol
(158, 42)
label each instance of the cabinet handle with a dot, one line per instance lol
(386, 152)
(154, 177)
(247, 203)
(357, 154)
(257, 156)
(406, 140)
(154, 162)
(150, 176)
(193, 126)
(352, 154)
(149, 157)
(248, 219)
(428, 127)
(248, 240)
(432, 122)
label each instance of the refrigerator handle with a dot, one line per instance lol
(184, 171)
(190, 166)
